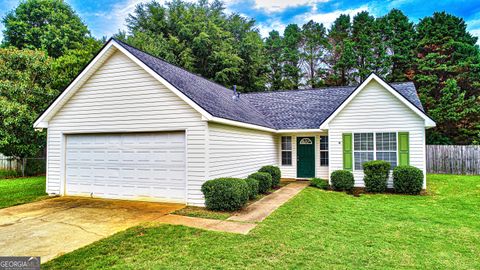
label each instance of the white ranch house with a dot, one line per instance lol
(132, 126)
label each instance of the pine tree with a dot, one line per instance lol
(446, 51)
(362, 34)
(292, 73)
(313, 47)
(273, 47)
(340, 57)
(398, 35)
(369, 49)
(453, 112)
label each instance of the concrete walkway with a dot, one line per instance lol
(208, 224)
(244, 221)
(259, 210)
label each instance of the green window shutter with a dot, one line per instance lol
(347, 152)
(403, 149)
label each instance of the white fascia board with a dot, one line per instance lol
(194, 105)
(240, 124)
(257, 127)
(42, 121)
(299, 130)
(428, 121)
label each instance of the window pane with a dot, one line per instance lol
(286, 143)
(356, 141)
(360, 158)
(386, 141)
(323, 142)
(324, 158)
(286, 158)
(389, 157)
(363, 141)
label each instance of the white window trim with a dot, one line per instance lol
(291, 151)
(327, 151)
(374, 146)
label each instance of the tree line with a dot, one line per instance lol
(46, 44)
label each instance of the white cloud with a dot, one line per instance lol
(476, 32)
(265, 27)
(271, 6)
(327, 18)
(473, 26)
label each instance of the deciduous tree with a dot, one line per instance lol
(50, 25)
(25, 91)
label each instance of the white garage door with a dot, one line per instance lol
(133, 166)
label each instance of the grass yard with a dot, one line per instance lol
(21, 190)
(201, 212)
(317, 229)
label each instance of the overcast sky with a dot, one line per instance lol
(106, 17)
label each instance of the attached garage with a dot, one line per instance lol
(133, 166)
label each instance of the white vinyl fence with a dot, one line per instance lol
(8, 163)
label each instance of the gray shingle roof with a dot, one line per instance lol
(308, 109)
(294, 109)
(212, 97)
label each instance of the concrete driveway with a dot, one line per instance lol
(52, 227)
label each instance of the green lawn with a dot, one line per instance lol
(317, 229)
(21, 190)
(201, 212)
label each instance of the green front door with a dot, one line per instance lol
(305, 157)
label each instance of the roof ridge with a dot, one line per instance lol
(297, 90)
(313, 89)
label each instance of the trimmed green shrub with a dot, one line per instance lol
(264, 181)
(275, 172)
(253, 187)
(342, 180)
(319, 183)
(225, 194)
(407, 179)
(376, 175)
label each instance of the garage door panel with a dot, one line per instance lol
(127, 166)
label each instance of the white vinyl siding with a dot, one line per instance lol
(290, 171)
(122, 97)
(374, 109)
(238, 152)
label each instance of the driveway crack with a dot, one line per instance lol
(74, 225)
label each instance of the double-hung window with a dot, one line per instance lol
(363, 149)
(286, 150)
(374, 146)
(323, 150)
(386, 147)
